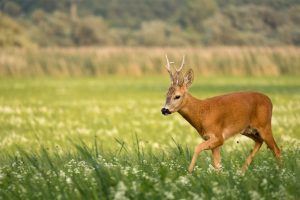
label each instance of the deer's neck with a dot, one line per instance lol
(191, 111)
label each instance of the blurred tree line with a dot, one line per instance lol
(149, 22)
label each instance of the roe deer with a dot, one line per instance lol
(218, 118)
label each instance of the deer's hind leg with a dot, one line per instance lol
(254, 135)
(267, 136)
(252, 154)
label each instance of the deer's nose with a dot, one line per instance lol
(165, 111)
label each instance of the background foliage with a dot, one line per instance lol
(149, 22)
(76, 62)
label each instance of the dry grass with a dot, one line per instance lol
(138, 61)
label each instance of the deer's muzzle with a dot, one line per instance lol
(165, 111)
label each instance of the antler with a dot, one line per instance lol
(168, 66)
(180, 68)
(176, 78)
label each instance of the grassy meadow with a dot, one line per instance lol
(72, 136)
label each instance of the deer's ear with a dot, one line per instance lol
(188, 78)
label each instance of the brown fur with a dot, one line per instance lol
(218, 118)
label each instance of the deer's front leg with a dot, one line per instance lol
(209, 144)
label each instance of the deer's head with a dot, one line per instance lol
(177, 92)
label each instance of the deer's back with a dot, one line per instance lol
(236, 111)
(248, 98)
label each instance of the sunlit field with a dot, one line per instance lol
(83, 83)
(105, 138)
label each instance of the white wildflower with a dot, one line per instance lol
(264, 182)
(195, 196)
(169, 195)
(62, 174)
(254, 195)
(69, 180)
(121, 191)
(183, 180)
(210, 169)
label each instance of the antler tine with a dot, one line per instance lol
(168, 66)
(182, 64)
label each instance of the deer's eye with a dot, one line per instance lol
(177, 97)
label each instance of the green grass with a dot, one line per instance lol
(105, 138)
